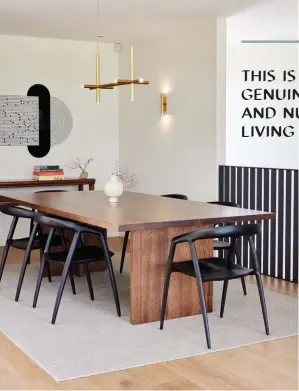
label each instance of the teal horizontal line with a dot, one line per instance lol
(270, 41)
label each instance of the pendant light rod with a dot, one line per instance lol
(98, 57)
(97, 77)
(132, 65)
(119, 82)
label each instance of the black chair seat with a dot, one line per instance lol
(213, 269)
(83, 254)
(220, 245)
(38, 243)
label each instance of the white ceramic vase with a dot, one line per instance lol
(114, 188)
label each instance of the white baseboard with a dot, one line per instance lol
(2, 241)
(113, 234)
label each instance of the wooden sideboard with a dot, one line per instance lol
(25, 183)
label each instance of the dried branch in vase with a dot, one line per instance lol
(128, 179)
(77, 164)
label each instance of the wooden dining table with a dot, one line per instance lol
(153, 221)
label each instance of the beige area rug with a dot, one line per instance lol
(90, 339)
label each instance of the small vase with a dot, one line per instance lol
(114, 188)
(83, 175)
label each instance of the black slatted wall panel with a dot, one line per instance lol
(274, 190)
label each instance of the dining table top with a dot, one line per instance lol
(133, 211)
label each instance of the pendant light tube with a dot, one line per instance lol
(132, 72)
(97, 78)
(98, 57)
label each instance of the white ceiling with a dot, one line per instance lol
(119, 21)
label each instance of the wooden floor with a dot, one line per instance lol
(271, 365)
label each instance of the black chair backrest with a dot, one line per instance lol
(56, 222)
(228, 231)
(16, 211)
(225, 203)
(177, 196)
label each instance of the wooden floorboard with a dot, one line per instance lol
(271, 365)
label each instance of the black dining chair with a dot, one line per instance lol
(222, 245)
(127, 233)
(216, 268)
(38, 242)
(78, 253)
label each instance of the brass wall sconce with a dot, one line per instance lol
(163, 104)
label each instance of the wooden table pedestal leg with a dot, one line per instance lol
(148, 259)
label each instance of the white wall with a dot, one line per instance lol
(277, 20)
(221, 91)
(63, 66)
(177, 152)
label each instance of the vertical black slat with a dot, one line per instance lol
(239, 201)
(245, 187)
(221, 191)
(221, 183)
(227, 179)
(252, 196)
(266, 207)
(280, 220)
(233, 184)
(273, 196)
(288, 216)
(252, 188)
(259, 184)
(226, 194)
(295, 233)
(259, 206)
(239, 186)
(245, 205)
(232, 197)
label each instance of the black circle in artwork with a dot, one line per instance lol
(44, 96)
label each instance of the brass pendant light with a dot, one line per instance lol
(119, 82)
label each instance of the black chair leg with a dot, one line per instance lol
(71, 274)
(111, 275)
(89, 283)
(47, 265)
(42, 267)
(166, 285)
(29, 259)
(26, 261)
(123, 253)
(114, 288)
(224, 291)
(244, 286)
(238, 256)
(201, 294)
(259, 283)
(8, 244)
(4, 257)
(39, 281)
(64, 275)
(263, 301)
